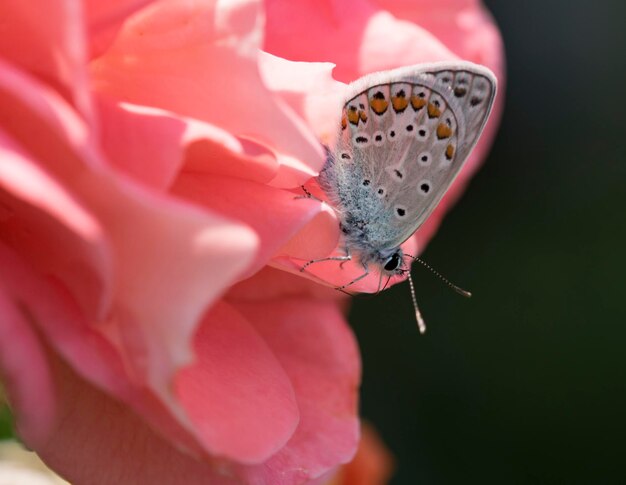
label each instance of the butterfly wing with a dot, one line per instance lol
(405, 136)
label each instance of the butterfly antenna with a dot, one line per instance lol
(459, 290)
(418, 315)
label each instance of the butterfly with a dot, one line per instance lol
(404, 136)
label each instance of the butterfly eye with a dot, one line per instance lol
(392, 262)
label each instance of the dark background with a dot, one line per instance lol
(525, 382)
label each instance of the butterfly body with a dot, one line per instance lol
(404, 136)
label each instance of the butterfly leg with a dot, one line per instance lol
(343, 259)
(307, 195)
(358, 278)
(347, 250)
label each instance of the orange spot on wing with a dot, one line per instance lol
(344, 122)
(379, 106)
(363, 116)
(399, 103)
(433, 111)
(417, 102)
(353, 115)
(443, 131)
(449, 152)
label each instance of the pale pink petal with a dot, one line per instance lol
(144, 143)
(357, 36)
(276, 215)
(152, 146)
(44, 124)
(236, 393)
(52, 230)
(310, 90)
(214, 151)
(463, 26)
(49, 43)
(24, 370)
(104, 19)
(319, 353)
(200, 60)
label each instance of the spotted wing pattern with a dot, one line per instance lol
(405, 135)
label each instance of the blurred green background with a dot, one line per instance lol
(526, 381)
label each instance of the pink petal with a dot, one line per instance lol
(357, 36)
(98, 440)
(48, 43)
(52, 230)
(24, 369)
(236, 392)
(464, 26)
(152, 146)
(300, 228)
(144, 143)
(309, 89)
(319, 353)
(45, 125)
(271, 283)
(214, 151)
(170, 259)
(53, 315)
(311, 342)
(104, 19)
(200, 60)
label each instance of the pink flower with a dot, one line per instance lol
(151, 330)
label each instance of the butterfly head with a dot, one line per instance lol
(392, 262)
